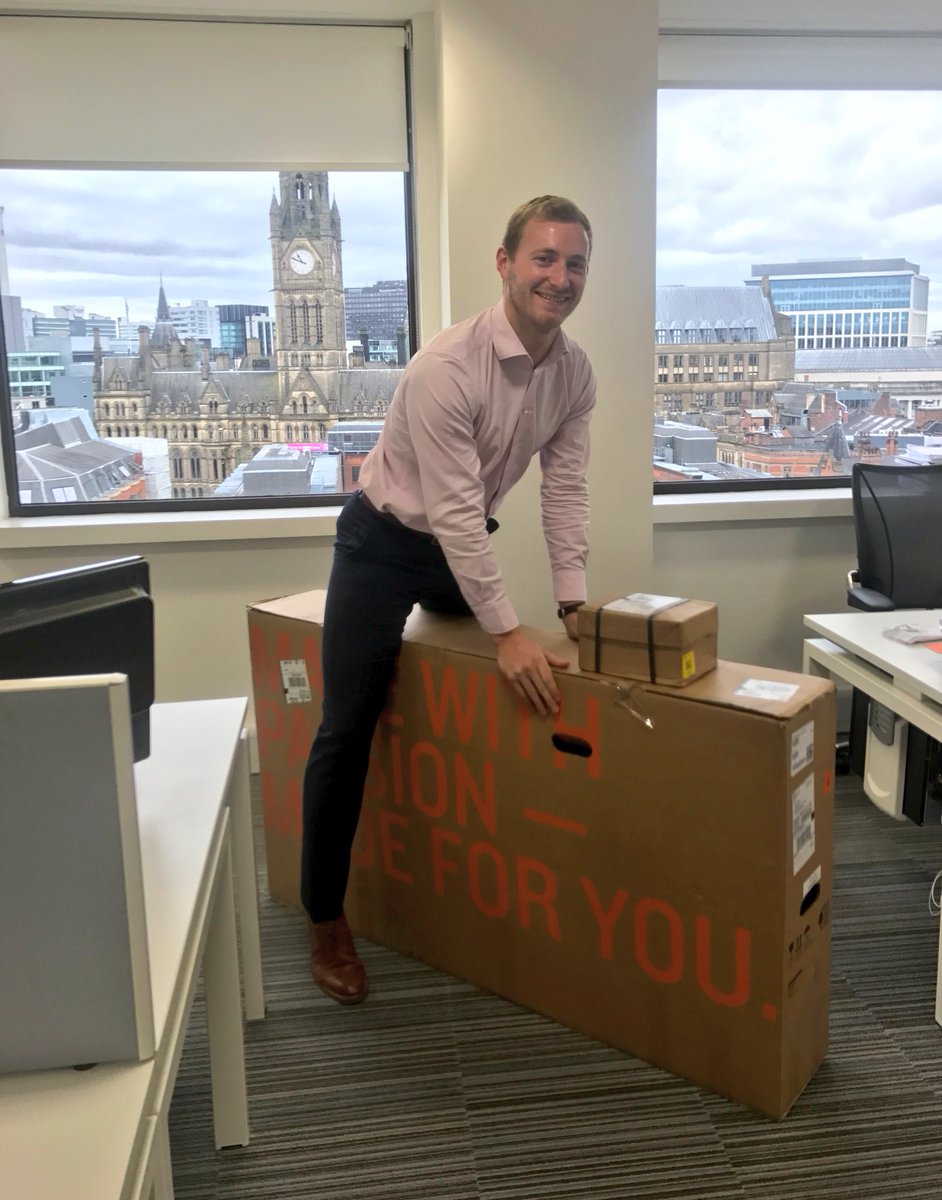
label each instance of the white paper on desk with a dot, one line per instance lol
(911, 634)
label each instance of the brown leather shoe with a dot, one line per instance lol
(335, 966)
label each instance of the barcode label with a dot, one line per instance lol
(802, 748)
(294, 681)
(802, 823)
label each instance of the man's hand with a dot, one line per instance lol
(571, 625)
(527, 668)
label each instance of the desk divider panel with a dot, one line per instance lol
(75, 982)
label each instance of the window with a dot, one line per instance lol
(850, 276)
(175, 267)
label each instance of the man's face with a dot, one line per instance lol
(544, 280)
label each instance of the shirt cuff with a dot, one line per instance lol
(569, 585)
(498, 617)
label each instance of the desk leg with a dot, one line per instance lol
(162, 1177)
(938, 984)
(246, 883)
(224, 1014)
(811, 666)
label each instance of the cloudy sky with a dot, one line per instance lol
(744, 177)
(748, 177)
(100, 238)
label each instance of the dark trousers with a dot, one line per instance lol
(380, 571)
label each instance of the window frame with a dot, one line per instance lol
(10, 501)
(718, 53)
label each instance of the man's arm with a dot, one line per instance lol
(441, 428)
(564, 499)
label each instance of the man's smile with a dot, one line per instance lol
(554, 298)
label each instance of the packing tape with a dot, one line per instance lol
(625, 698)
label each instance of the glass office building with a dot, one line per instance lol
(235, 325)
(381, 309)
(851, 303)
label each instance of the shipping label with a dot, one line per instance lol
(294, 680)
(767, 689)
(802, 823)
(641, 604)
(802, 748)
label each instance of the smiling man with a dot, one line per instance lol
(471, 410)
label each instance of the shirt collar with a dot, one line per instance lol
(508, 345)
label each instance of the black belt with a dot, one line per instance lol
(490, 524)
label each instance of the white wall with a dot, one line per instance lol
(765, 575)
(548, 96)
(513, 99)
(201, 592)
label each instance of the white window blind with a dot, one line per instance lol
(179, 94)
(809, 61)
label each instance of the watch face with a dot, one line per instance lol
(301, 262)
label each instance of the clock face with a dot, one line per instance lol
(301, 262)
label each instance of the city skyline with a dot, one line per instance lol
(780, 176)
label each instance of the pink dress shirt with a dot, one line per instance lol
(469, 413)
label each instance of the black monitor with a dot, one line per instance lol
(89, 620)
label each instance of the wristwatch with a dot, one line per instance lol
(565, 609)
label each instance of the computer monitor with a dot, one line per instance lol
(87, 620)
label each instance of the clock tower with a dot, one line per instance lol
(307, 274)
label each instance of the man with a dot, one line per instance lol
(472, 408)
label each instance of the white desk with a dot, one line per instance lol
(101, 1134)
(907, 679)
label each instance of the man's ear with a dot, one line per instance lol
(503, 262)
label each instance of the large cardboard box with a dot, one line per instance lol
(652, 866)
(660, 639)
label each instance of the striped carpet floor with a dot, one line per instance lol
(433, 1090)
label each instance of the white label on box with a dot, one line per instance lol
(813, 878)
(641, 604)
(767, 689)
(802, 747)
(294, 680)
(802, 823)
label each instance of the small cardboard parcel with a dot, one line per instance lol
(652, 866)
(661, 639)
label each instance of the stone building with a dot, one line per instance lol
(718, 350)
(216, 415)
(308, 274)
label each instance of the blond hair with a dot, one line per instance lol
(543, 208)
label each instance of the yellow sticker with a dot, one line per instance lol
(688, 665)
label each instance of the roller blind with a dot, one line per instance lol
(115, 92)
(813, 61)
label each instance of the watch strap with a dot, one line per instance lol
(565, 609)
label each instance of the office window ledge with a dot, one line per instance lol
(132, 529)
(729, 507)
